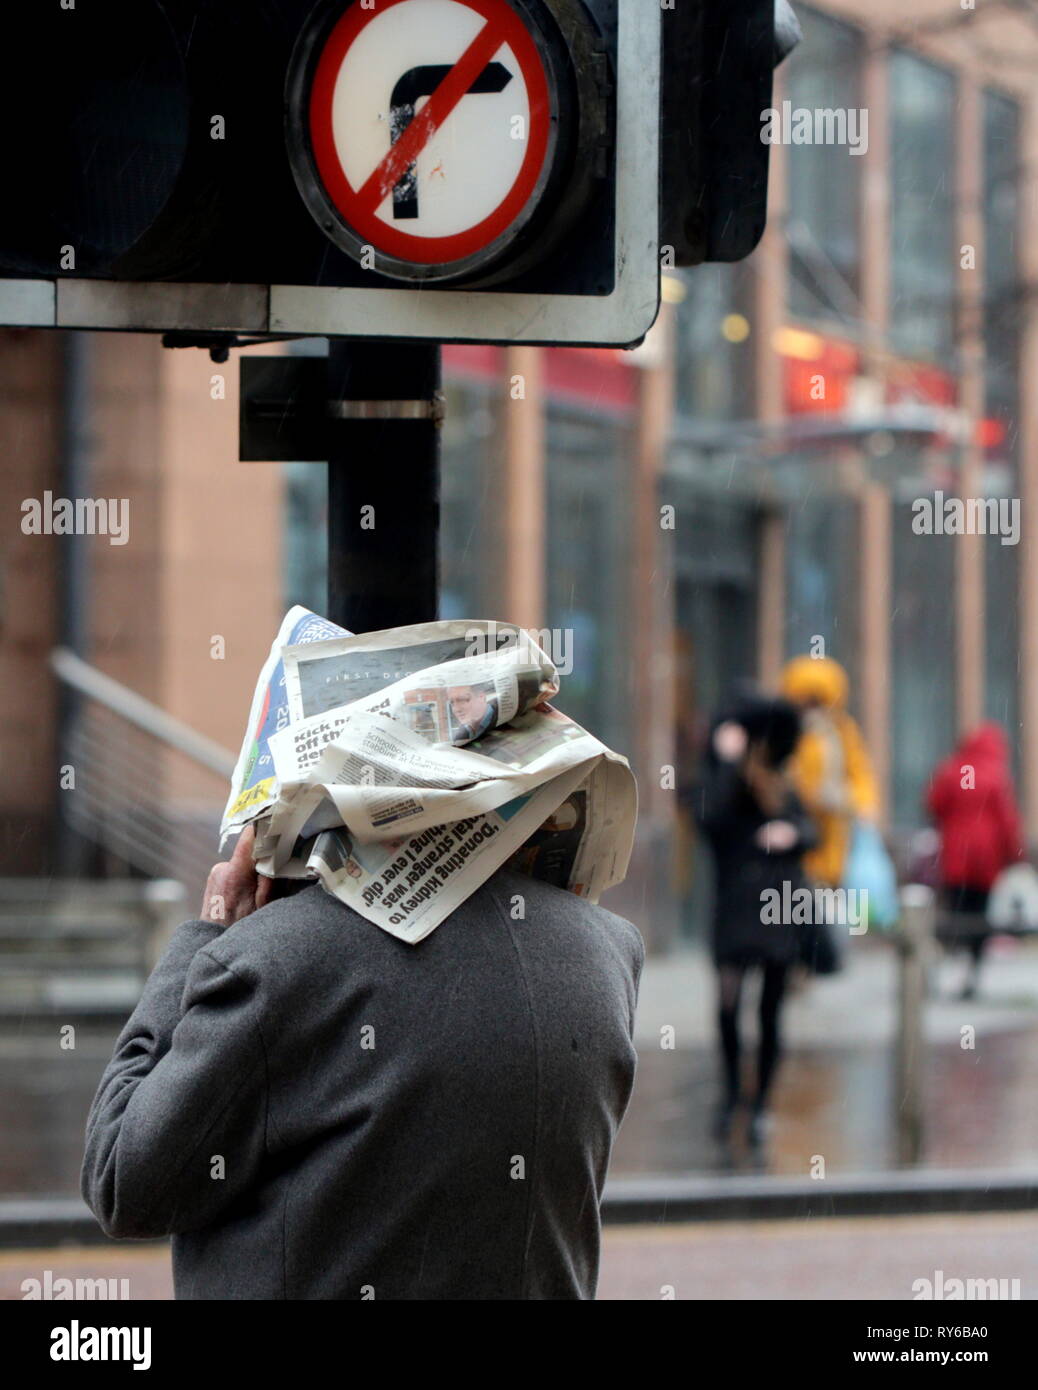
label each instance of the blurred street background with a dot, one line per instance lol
(685, 515)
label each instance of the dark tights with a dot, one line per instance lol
(770, 1047)
(975, 947)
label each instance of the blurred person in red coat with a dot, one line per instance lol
(973, 805)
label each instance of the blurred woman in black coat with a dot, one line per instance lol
(758, 830)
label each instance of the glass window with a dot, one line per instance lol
(1001, 635)
(715, 594)
(822, 576)
(588, 542)
(304, 534)
(923, 642)
(470, 493)
(825, 74)
(304, 538)
(1002, 303)
(714, 344)
(1002, 308)
(923, 249)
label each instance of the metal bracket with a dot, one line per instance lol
(285, 413)
(390, 410)
(219, 345)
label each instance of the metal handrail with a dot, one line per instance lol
(117, 803)
(134, 708)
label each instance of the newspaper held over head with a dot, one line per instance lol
(402, 768)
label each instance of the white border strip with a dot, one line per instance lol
(27, 303)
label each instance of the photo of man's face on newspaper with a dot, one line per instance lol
(473, 711)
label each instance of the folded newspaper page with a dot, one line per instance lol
(403, 767)
(252, 782)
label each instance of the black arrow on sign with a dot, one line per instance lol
(422, 82)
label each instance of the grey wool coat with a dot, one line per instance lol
(316, 1110)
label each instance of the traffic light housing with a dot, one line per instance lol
(198, 166)
(174, 180)
(718, 62)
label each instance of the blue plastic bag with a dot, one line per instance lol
(870, 871)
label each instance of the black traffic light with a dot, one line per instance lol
(284, 162)
(480, 170)
(718, 61)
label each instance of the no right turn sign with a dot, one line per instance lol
(433, 126)
(504, 147)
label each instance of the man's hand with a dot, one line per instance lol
(234, 889)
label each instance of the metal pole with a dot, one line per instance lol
(914, 937)
(385, 405)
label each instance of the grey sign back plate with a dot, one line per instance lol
(453, 316)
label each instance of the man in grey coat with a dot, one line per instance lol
(314, 1109)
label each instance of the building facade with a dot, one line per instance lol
(743, 487)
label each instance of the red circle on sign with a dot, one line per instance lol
(503, 26)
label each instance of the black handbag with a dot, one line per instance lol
(817, 948)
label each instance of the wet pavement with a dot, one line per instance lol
(878, 1258)
(836, 1094)
(835, 1097)
(981, 1112)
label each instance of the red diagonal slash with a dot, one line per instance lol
(432, 115)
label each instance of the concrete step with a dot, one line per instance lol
(84, 947)
(61, 993)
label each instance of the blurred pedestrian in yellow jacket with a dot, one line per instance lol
(830, 767)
